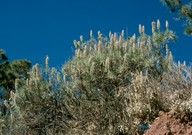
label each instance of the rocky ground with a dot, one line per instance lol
(171, 123)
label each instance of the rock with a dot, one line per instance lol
(171, 123)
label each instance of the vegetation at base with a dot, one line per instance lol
(113, 85)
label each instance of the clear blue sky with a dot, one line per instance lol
(32, 29)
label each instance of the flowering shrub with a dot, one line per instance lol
(113, 85)
(114, 75)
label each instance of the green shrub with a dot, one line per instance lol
(42, 101)
(111, 86)
(115, 78)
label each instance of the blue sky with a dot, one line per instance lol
(33, 29)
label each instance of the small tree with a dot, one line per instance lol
(184, 12)
(9, 71)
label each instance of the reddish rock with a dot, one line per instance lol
(171, 123)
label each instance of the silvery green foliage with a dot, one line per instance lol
(110, 61)
(104, 72)
(9, 123)
(42, 102)
(102, 90)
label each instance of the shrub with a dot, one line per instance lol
(42, 100)
(111, 86)
(116, 79)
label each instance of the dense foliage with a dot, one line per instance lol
(112, 85)
(9, 71)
